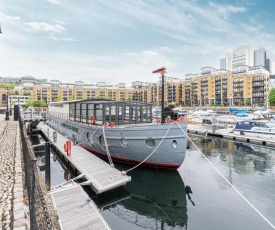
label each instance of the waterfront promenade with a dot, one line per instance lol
(13, 199)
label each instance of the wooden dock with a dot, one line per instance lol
(100, 175)
(76, 210)
(252, 138)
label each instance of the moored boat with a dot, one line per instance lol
(260, 127)
(123, 130)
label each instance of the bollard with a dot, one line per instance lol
(30, 127)
(213, 128)
(48, 132)
(48, 165)
(69, 147)
(74, 139)
(54, 136)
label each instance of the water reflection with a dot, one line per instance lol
(243, 157)
(153, 200)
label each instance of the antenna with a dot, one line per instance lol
(0, 29)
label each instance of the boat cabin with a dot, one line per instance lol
(248, 125)
(102, 112)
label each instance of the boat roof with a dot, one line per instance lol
(101, 101)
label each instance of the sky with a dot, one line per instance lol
(122, 41)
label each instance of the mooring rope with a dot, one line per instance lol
(151, 152)
(247, 201)
(89, 137)
(107, 148)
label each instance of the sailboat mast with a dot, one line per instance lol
(161, 71)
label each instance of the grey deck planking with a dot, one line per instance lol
(103, 176)
(75, 212)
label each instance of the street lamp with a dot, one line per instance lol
(17, 94)
(10, 107)
(7, 100)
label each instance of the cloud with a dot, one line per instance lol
(58, 38)
(8, 18)
(54, 2)
(44, 27)
(226, 10)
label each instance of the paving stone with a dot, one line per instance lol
(19, 223)
(17, 200)
(20, 228)
(19, 214)
(18, 206)
(18, 194)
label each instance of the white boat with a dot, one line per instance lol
(123, 130)
(30, 115)
(208, 112)
(260, 127)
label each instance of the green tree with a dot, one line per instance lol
(10, 86)
(36, 104)
(43, 104)
(271, 96)
(58, 99)
(28, 103)
(71, 98)
(247, 102)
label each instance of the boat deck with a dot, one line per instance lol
(100, 175)
(75, 209)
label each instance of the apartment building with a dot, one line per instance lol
(244, 85)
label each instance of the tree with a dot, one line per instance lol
(247, 102)
(10, 86)
(271, 97)
(58, 99)
(71, 98)
(29, 102)
(43, 104)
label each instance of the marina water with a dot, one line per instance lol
(195, 196)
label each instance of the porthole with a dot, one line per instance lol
(90, 138)
(102, 142)
(150, 143)
(124, 141)
(174, 144)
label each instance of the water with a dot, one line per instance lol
(195, 196)
(214, 203)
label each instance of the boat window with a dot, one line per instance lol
(124, 141)
(83, 113)
(174, 144)
(150, 142)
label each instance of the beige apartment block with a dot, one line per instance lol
(243, 85)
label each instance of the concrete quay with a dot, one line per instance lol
(12, 199)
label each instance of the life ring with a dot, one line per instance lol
(92, 120)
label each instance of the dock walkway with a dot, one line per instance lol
(99, 175)
(228, 133)
(80, 212)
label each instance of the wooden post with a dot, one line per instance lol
(48, 165)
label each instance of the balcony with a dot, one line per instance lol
(257, 80)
